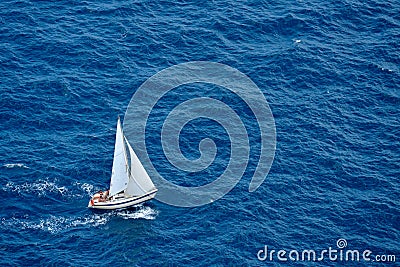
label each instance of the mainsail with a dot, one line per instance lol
(119, 176)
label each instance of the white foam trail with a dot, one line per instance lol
(143, 213)
(15, 165)
(39, 188)
(87, 188)
(94, 220)
(44, 186)
(56, 224)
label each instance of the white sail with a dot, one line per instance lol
(119, 176)
(139, 181)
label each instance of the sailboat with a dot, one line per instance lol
(130, 184)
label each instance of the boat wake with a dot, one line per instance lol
(57, 224)
(143, 212)
(52, 224)
(85, 188)
(43, 187)
(15, 165)
(38, 188)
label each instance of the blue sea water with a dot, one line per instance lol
(330, 71)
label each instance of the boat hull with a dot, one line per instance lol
(120, 202)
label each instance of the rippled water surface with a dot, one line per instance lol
(328, 69)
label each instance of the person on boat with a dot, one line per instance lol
(106, 194)
(103, 196)
(98, 195)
